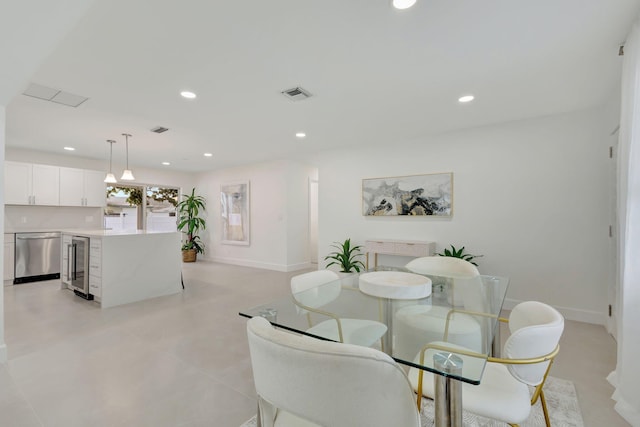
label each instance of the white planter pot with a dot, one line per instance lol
(349, 279)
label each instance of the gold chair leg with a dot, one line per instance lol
(543, 401)
(419, 393)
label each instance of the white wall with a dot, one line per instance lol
(531, 196)
(278, 210)
(51, 218)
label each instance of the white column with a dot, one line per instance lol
(3, 346)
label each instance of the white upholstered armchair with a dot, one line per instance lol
(312, 291)
(304, 382)
(504, 391)
(422, 323)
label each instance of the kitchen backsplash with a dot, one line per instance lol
(36, 218)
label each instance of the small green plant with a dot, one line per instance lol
(346, 257)
(459, 253)
(190, 223)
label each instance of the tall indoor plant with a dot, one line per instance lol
(190, 223)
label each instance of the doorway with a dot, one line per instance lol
(313, 221)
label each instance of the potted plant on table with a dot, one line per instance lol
(346, 257)
(459, 253)
(190, 223)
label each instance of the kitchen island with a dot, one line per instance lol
(125, 266)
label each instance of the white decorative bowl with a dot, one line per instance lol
(395, 285)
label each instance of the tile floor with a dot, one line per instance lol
(183, 360)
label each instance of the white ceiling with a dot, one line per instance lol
(378, 75)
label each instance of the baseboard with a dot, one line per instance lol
(569, 313)
(612, 378)
(259, 264)
(626, 411)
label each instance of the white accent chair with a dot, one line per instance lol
(460, 271)
(503, 393)
(304, 382)
(311, 291)
(423, 323)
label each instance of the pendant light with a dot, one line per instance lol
(403, 4)
(127, 175)
(110, 178)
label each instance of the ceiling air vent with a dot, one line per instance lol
(54, 95)
(296, 94)
(159, 129)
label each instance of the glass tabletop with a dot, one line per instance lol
(459, 317)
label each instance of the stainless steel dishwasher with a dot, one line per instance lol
(37, 257)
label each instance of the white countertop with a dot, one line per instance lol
(110, 233)
(93, 232)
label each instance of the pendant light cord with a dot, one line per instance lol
(111, 142)
(126, 139)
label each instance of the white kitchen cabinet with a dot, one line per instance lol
(64, 267)
(9, 256)
(94, 188)
(31, 184)
(95, 267)
(80, 187)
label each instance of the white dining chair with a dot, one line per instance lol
(461, 273)
(504, 390)
(314, 290)
(417, 324)
(306, 382)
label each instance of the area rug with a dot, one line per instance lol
(562, 402)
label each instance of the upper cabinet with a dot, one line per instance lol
(94, 188)
(31, 184)
(79, 187)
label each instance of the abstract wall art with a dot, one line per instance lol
(234, 209)
(415, 195)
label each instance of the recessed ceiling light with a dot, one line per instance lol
(403, 4)
(300, 135)
(187, 94)
(466, 98)
(69, 148)
(208, 154)
(166, 163)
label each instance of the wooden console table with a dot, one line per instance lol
(413, 248)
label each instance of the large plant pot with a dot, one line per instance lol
(189, 255)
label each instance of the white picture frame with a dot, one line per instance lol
(235, 213)
(427, 195)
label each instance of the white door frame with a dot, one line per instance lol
(614, 273)
(313, 221)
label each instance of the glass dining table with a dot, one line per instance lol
(443, 325)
